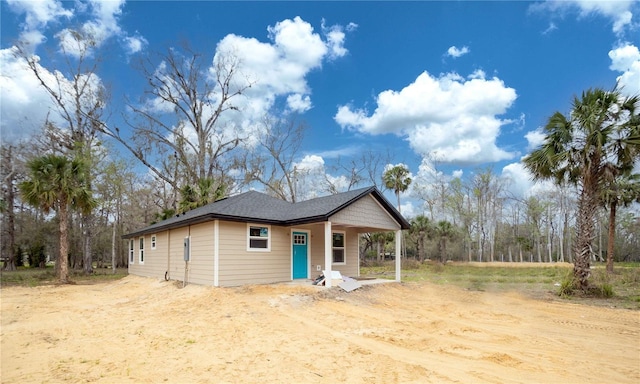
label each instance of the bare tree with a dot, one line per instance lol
(460, 201)
(488, 190)
(8, 171)
(79, 99)
(272, 162)
(432, 187)
(186, 127)
(366, 169)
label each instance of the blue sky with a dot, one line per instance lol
(468, 84)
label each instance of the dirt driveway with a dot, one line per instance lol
(139, 330)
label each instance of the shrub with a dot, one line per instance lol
(567, 286)
(411, 264)
(18, 257)
(606, 290)
(37, 256)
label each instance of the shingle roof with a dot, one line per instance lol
(258, 207)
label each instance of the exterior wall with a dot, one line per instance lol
(174, 258)
(366, 212)
(201, 262)
(155, 262)
(316, 249)
(168, 257)
(350, 267)
(239, 266)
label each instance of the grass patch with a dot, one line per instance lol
(542, 281)
(32, 277)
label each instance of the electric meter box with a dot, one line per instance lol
(187, 248)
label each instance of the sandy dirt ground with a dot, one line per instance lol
(140, 330)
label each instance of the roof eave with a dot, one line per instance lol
(373, 191)
(198, 220)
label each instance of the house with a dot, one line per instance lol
(253, 238)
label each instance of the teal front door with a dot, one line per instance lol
(300, 267)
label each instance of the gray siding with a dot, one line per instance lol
(366, 213)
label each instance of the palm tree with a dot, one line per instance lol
(381, 239)
(445, 232)
(165, 214)
(579, 149)
(59, 184)
(398, 179)
(203, 193)
(422, 228)
(623, 190)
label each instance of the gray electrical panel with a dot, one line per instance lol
(187, 249)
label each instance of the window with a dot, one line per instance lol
(337, 243)
(299, 239)
(153, 241)
(131, 251)
(259, 237)
(141, 251)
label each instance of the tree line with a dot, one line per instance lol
(190, 145)
(591, 156)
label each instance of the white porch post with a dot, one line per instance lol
(398, 255)
(328, 254)
(216, 253)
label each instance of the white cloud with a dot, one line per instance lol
(456, 52)
(20, 91)
(335, 39)
(310, 177)
(32, 39)
(339, 183)
(298, 103)
(552, 27)
(408, 210)
(449, 118)
(618, 11)
(277, 69)
(135, 44)
(519, 179)
(25, 104)
(521, 182)
(100, 23)
(310, 163)
(626, 59)
(72, 43)
(336, 153)
(534, 138)
(296, 40)
(38, 14)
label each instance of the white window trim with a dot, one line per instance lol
(154, 240)
(344, 248)
(249, 249)
(131, 249)
(141, 251)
